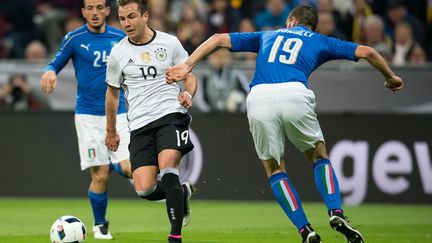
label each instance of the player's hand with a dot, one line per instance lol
(112, 141)
(185, 99)
(48, 82)
(394, 83)
(176, 73)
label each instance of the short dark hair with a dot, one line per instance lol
(306, 15)
(143, 5)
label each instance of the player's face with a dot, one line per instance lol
(133, 22)
(95, 13)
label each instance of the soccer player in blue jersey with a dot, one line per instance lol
(89, 47)
(279, 104)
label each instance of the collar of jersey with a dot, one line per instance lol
(148, 42)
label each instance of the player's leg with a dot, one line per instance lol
(168, 163)
(288, 199)
(268, 134)
(172, 143)
(144, 165)
(146, 184)
(93, 154)
(327, 184)
(98, 197)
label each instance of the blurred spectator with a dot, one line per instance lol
(415, 7)
(159, 19)
(428, 40)
(248, 8)
(353, 22)
(343, 6)
(385, 51)
(197, 36)
(273, 16)
(327, 26)
(36, 52)
(158, 24)
(52, 16)
(223, 89)
(183, 28)
(18, 27)
(374, 32)
(327, 6)
(4, 50)
(417, 56)
(428, 45)
(176, 9)
(222, 17)
(18, 95)
(299, 2)
(397, 12)
(404, 42)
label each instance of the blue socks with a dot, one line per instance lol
(117, 168)
(99, 203)
(288, 199)
(327, 184)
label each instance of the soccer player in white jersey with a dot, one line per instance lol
(280, 104)
(157, 114)
(89, 46)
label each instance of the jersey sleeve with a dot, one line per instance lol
(180, 54)
(245, 41)
(113, 71)
(339, 49)
(62, 56)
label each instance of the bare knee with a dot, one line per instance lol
(100, 175)
(143, 186)
(145, 178)
(271, 166)
(319, 152)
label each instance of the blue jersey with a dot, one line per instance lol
(291, 54)
(89, 52)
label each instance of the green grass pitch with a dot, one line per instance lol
(28, 220)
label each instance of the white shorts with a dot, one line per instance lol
(278, 110)
(91, 140)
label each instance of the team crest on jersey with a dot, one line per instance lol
(161, 54)
(145, 57)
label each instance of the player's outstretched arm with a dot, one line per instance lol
(190, 86)
(393, 82)
(48, 82)
(112, 138)
(178, 72)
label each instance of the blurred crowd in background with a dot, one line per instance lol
(401, 30)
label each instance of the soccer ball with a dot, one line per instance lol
(68, 229)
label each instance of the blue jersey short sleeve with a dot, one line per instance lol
(248, 42)
(339, 49)
(89, 54)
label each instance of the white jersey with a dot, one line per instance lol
(140, 71)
